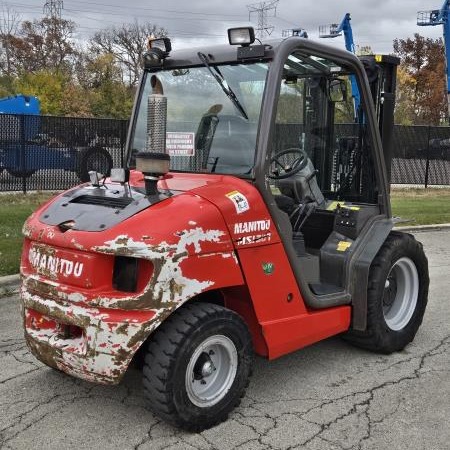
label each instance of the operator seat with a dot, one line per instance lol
(300, 197)
(302, 187)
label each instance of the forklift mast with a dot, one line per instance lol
(382, 75)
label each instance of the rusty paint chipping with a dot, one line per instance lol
(168, 284)
(106, 345)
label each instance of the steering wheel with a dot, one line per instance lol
(287, 170)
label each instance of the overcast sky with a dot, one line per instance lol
(375, 23)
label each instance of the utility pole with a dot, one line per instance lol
(53, 8)
(264, 10)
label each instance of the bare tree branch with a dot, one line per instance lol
(127, 43)
(9, 25)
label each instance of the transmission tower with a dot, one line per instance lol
(53, 8)
(264, 10)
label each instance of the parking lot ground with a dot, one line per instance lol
(327, 396)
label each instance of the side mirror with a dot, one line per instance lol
(337, 90)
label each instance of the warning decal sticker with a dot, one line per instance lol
(343, 246)
(239, 200)
(180, 144)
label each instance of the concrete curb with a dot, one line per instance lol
(10, 283)
(419, 228)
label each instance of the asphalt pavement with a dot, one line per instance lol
(328, 396)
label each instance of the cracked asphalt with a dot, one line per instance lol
(327, 396)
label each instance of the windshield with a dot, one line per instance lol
(212, 116)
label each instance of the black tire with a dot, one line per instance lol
(96, 158)
(171, 352)
(21, 173)
(391, 328)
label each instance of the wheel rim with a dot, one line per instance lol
(211, 371)
(401, 291)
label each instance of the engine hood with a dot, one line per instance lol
(184, 202)
(89, 208)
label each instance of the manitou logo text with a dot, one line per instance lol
(54, 265)
(251, 227)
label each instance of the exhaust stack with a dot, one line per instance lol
(156, 118)
(154, 162)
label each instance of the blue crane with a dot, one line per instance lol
(335, 30)
(439, 17)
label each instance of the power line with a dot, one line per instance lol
(85, 9)
(152, 10)
(202, 16)
(153, 16)
(173, 32)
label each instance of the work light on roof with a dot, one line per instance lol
(162, 44)
(158, 50)
(241, 36)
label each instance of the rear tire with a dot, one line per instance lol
(97, 159)
(397, 295)
(197, 366)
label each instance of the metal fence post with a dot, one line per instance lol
(427, 164)
(22, 153)
(123, 139)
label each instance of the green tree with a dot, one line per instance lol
(108, 95)
(47, 85)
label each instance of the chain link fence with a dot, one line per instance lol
(56, 153)
(421, 155)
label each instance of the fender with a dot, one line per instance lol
(359, 268)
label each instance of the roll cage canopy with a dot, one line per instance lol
(276, 52)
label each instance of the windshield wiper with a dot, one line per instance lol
(217, 74)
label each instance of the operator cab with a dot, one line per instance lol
(322, 174)
(280, 115)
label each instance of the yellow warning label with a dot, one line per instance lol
(339, 204)
(333, 205)
(379, 58)
(343, 246)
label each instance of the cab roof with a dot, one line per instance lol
(226, 53)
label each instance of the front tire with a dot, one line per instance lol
(197, 366)
(397, 295)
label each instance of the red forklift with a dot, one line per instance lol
(250, 218)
